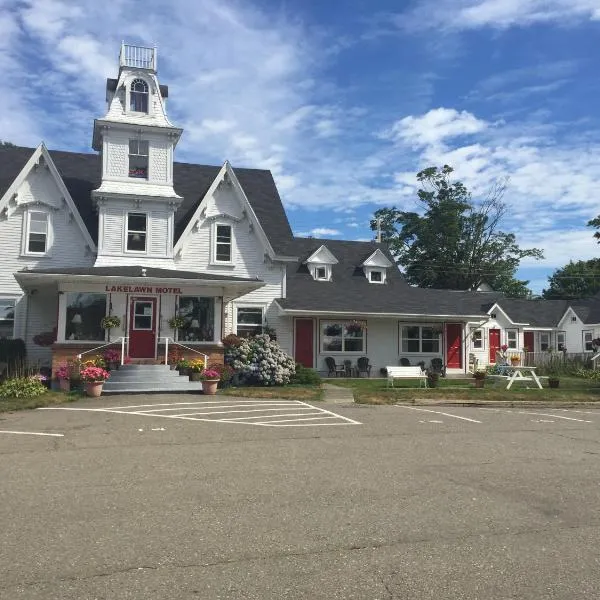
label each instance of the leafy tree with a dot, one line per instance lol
(455, 243)
(575, 280)
(595, 223)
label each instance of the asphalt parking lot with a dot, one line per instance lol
(150, 498)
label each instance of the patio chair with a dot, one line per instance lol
(438, 366)
(334, 370)
(404, 362)
(348, 368)
(502, 365)
(363, 366)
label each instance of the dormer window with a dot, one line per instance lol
(320, 264)
(376, 277)
(138, 159)
(321, 273)
(138, 96)
(375, 267)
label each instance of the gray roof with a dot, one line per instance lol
(536, 313)
(81, 174)
(350, 291)
(135, 272)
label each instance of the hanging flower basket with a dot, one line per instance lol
(110, 322)
(176, 322)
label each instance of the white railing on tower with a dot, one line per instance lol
(140, 57)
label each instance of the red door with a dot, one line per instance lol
(142, 328)
(453, 345)
(494, 344)
(305, 344)
(528, 341)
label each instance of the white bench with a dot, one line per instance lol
(406, 373)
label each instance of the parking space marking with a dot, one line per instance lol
(34, 433)
(284, 413)
(538, 414)
(438, 412)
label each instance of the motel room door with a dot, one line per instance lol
(494, 344)
(142, 328)
(454, 345)
(304, 343)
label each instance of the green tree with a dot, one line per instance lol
(455, 244)
(575, 280)
(595, 223)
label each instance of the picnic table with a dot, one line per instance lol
(520, 374)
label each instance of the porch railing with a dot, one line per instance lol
(121, 340)
(539, 359)
(171, 341)
(141, 57)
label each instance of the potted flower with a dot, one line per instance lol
(110, 322)
(196, 366)
(94, 378)
(63, 374)
(175, 355)
(112, 358)
(210, 380)
(553, 381)
(515, 359)
(183, 366)
(479, 377)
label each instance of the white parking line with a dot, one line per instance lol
(539, 414)
(438, 412)
(34, 433)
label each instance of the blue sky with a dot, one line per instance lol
(344, 101)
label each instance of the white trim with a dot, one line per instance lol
(327, 259)
(213, 244)
(496, 306)
(343, 323)
(377, 259)
(256, 305)
(126, 232)
(26, 231)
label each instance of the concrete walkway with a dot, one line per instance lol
(335, 394)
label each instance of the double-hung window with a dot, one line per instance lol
(511, 338)
(137, 227)
(544, 341)
(477, 339)
(343, 336)
(417, 339)
(249, 321)
(138, 96)
(7, 318)
(561, 341)
(223, 243)
(588, 336)
(138, 159)
(37, 232)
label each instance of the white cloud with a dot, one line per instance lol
(319, 232)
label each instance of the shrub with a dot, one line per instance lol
(305, 376)
(12, 352)
(588, 373)
(225, 372)
(232, 340)
(23, 387)
(260, 361)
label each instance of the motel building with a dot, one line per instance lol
(128, 232)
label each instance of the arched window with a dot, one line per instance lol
(138, 96)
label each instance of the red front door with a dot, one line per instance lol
(494, 344)
(528, 341)
(453, 345)
(304, 344)
(142, 328)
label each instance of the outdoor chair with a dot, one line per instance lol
(363, 366)
(404, 362)
(348, 368)
(502, 365)
(334, 370)
(437, 366)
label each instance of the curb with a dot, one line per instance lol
(502, 404)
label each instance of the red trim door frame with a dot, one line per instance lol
(142, 327)
(304, 342)
(454, 345)
(494, 338)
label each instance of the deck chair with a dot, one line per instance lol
(404, 362)
(334, 370)
(363, 366)
(502, 365)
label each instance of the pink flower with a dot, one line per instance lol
(94, 374)
(63, 372)
(211, 374)
(504, 347)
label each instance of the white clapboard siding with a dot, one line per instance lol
(159, 233)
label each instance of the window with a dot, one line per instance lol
(477, 339)
(84, 313)
(376, 277)
(588, 336)
(138, 96)
(143, 315)
(138, 159)
(198, 314)
(137, 224)
(512, 338)
(573, 319)
(416, 338)
(344, 336)
(7, 318)
(249, 321)
(223, 243)
(321, 273)
(544, 341)
(37, 232)
(561, 341)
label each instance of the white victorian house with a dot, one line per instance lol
(128, 232)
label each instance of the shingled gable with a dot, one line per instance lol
(377, 259)
(81, 173)
(37, 157)
(323, 256)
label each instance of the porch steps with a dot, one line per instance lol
(149, 379)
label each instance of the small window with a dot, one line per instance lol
(573, 319)
(138, 159)
(561, 341)
(138, 96)
(137, 224)
(511, 339)
(249, 321)
(544, 341)
(376, 277)
(7, 318)
(223, 243)
(493, 316)
(321, 273)
(37, 233)
(588, 336)
(477, 339)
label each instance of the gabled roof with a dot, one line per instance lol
(536, 313)
(81, 174)
(323, 256)
(377, 259)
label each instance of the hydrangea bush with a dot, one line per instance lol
(260, 360)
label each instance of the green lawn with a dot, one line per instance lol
(307, 393)
(47, 399)
(375, 391)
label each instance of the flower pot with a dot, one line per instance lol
(553, 383)
(209, 387)
(479, 383)
(64, 385)
(195, 376)
(94, 388)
